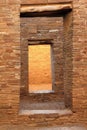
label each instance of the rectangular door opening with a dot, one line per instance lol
(40, 70)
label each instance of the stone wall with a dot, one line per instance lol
(10, 66)
(68, 58)
(80, 57)
(9, 58)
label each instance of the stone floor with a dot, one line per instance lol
(29, 108)
(25, 127)
(26, 105)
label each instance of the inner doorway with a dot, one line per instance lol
(40, 70)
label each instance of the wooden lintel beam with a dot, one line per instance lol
(45, 39)
(40, 41)
(43, 8)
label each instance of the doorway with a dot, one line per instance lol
(40, 70)
(35, 28)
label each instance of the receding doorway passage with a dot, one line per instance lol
(40, 70)
(49, 29)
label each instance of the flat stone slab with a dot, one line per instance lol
(25, 127)
(58, 112)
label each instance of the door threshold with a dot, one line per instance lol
(41, 112)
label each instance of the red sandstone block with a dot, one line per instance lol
(30, 2)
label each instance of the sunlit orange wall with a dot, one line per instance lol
(39, 58)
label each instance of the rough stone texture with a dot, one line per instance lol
(10, 68)
(80, 56)
(9, 55)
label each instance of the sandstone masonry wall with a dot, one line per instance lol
(10, 65)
